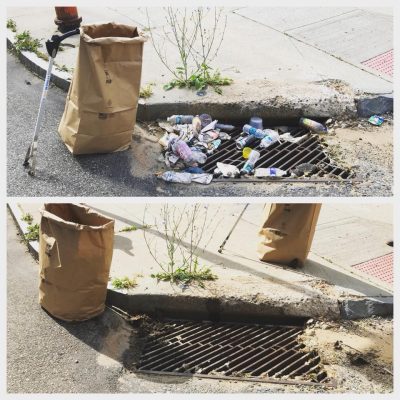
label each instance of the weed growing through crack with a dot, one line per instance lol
(25, 42)
(11, 24)
(27, 218)
(130, 228)
(146, 91)
(33, 233)
(63, 68)
(187, 276)
(123, 283)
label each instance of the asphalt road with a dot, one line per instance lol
(46, 355)
(128, 173)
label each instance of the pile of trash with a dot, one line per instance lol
(189, 140)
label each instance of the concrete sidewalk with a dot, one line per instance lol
(285, 54)
(327, 286)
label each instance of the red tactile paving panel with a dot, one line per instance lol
(382, 63)
(381, 268)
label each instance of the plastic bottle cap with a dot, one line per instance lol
(246, 152)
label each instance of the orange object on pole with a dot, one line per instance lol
(67, 18)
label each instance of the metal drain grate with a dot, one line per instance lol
(285, 156)
(232, 351)
(380, 267)
(381, 63)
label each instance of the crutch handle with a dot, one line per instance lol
(53, 44)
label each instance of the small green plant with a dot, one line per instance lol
(130, 228)
(25, 42)
(43, 56)
(11, 25)
(123, 283)
(187, 277)
(27, 218)
(146, 91)
(63, 68)
(33, 233)
(199, 80)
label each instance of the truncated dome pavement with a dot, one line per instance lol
(252, 352)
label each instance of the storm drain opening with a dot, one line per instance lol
(251, 352)
(308, 158)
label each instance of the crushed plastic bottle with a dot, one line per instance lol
(176, 177)
(269, 172)
(313, 126)
(180, 119)
(250, 163)
(185, 177)
(181, 149)
(198, 156)
(287, 137)
(213, 146)
(269, 139)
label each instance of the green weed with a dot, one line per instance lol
(123, 283)
(200, 80)
(146, 91)
(186, 276)
(11, 24)
(27, 218)
(33, 233)
(25, 42)
(129, 228)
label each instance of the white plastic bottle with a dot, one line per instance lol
(269, 172)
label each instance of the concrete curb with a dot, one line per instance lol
(232, 308)
(39, 66)
(268, 100)
(22, 226)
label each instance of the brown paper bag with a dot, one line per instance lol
(288, 232)
(101, 105)
(75, 252)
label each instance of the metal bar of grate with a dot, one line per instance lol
(286, 156)
(225, 350)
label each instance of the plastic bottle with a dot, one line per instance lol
(265, 172)
(181, 149)
(176, 177)
(214, 146)
(258, 133)
(198, 156)
(180, 119)
(245, 141)
(313, 126)
(224, 127)
(249, 165)
(270, 138)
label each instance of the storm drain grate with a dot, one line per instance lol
(286, 156)
(232, 351)
(380, 267)
(381, 63)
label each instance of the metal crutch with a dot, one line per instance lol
(233, 227)
(52, 46)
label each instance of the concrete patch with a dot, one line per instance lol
(364, 308)
(374, 105)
